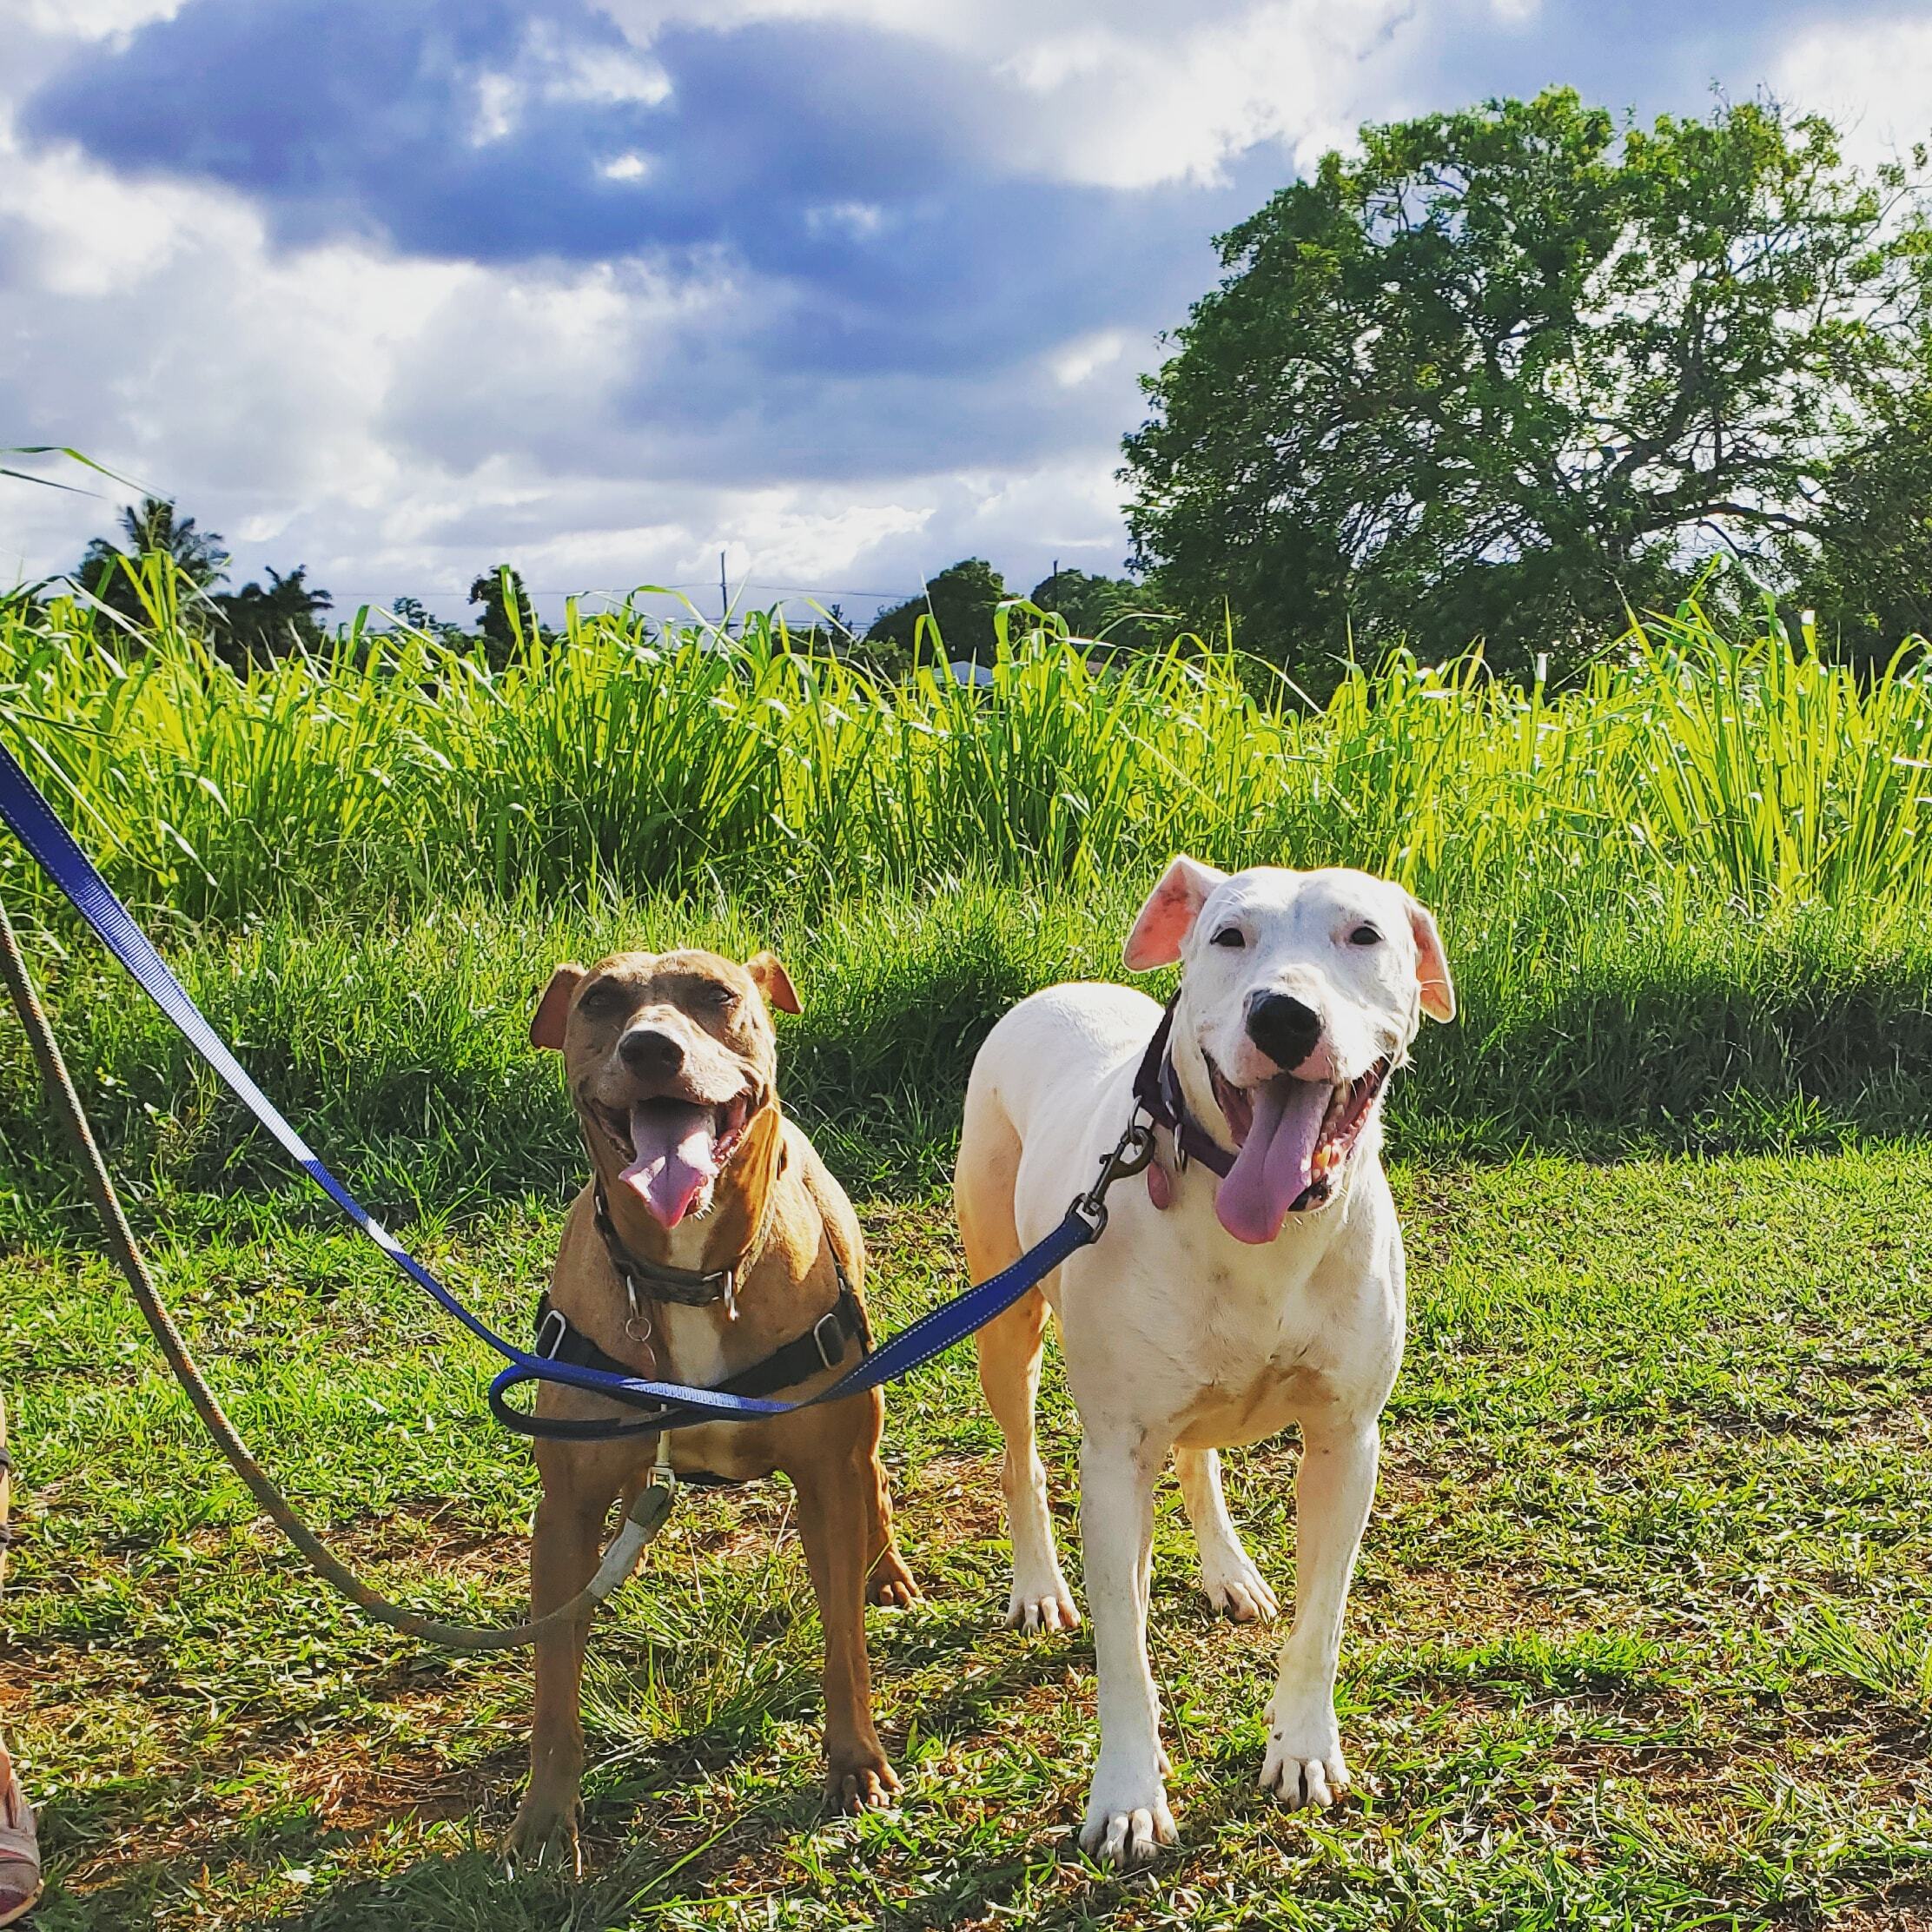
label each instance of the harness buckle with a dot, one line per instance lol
(551, 1332)
(832, 1356)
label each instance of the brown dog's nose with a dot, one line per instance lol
(650, 1052)
(1284, 1028)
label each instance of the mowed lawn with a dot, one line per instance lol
(1639, 1637)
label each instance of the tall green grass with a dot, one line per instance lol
(1687, 767)
(1686, 896)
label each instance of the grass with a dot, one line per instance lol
(1642, 1635)
(1638, 1638)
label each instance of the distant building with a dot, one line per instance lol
(964, 670)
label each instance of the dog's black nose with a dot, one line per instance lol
(646, 1050)
(1284, 1028)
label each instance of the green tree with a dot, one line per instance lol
(1510, 368)
(1115, 609)
(254, 625)
(508, 611)
(1867, 569)
(961, 600)
(109, 572)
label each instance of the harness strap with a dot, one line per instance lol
(1157, 1090)
(822, 1346)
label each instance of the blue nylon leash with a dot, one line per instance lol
(673, 1405)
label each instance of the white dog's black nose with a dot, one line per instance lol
(648, 1051)
(1284, 1028)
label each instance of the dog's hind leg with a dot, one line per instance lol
(1010, 1348)
(1229, 1576)
(1010, 1351)
(888, 1581)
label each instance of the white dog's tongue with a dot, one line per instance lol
(1272, 1170)
(675, 1147)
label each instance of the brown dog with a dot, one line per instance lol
(710, 1242)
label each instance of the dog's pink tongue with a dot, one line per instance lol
(1271, 1171)
(677, 1153)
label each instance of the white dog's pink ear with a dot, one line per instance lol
(1169, 914)
(771, 978)
(1431, 965)
(546, 1023)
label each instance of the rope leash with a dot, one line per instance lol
(647, 1515)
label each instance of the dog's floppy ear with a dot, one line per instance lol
(1169, 914)
(1431, 965)
(771, 978)
(546, 1023)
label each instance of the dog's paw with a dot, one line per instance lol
(892, 1585)
(1127, 1820)
(544, 1835)
(1047, 1607)
(862, 1780)
(1234, 1587)
(1304, 1763)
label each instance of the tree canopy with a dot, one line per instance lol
(508, 611)
(1507, 370)
(961, 600)
(255, 625)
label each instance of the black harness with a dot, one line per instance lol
(824, 1346)
(1157, 1092)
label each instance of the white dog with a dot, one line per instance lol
(1213, 1311)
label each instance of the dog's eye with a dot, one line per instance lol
(1365, 936)
(604, 997)
(719, 998)
(1229, 936)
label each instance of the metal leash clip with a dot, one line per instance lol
(1129, 1155)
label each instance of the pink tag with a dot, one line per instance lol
(1159, 1188)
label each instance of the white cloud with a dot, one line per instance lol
(95, 19)
(1127, 93)
(1078, 361)
(1872, 77)
(398, 425)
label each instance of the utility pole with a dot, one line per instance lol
(1052, 595)
(723, 595)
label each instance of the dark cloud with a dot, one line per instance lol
(859, 171)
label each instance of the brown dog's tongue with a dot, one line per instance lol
(675, 1147)
(1272, 1170)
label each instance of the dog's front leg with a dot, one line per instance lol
(1332, 1496)
(1126, 1809)
(578, 1485)
(834, 1525)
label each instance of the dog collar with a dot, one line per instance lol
(688, 1287)
(1157, 1092)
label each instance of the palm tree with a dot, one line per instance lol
(111, 575)
(154, 527)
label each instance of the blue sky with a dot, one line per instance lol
(844, 289)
